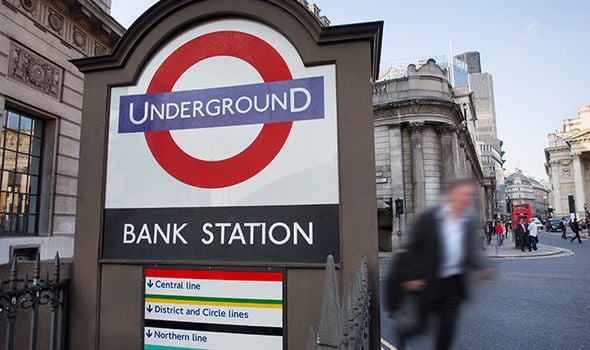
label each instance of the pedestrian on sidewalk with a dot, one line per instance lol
(523, 235)
(563, 227)
(499, 228)
(507, 227)
(533, 239)
(443, 248)
(489, 231)
(576, 228)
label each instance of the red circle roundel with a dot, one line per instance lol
(267, 144)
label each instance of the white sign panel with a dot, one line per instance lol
(225, 148)
(225, 114)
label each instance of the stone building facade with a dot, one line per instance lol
(568, 165)
(423, 137)
(40, 103)
(541, 193)
(521, 188)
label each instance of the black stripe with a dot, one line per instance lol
(218, 328)
(247, 248)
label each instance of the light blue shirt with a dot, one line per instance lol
(452, 241)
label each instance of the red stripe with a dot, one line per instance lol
(216, 275)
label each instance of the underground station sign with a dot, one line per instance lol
(225, 149)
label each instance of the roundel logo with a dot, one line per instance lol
(275, 104)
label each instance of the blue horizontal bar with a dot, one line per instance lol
(162, 347)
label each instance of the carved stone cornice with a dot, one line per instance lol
(86, 29)
(424, 109)
(556, 149)
(60, 6)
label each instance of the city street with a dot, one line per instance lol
(534, 303)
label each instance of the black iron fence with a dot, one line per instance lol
(343, 325)
(34, 310)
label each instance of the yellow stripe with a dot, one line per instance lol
(214, 303)
(386, 344)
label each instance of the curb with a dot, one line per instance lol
(552, 252)
(558, 251)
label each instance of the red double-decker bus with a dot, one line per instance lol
(521, 211)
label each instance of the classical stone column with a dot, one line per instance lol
(461, 165)
(397, 181)
(418, 185)
(579, 183)
(396, 162)
(557, 207)
(448, 151)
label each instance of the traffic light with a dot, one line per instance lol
(399, 206)
(389, 206)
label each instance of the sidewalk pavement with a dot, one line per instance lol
(507, 250)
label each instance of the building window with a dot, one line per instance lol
(20, 156)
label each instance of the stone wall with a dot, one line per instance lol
(38, 39)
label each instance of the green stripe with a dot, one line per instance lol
(162, 347)
(218, 300)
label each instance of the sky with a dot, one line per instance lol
(536, 50)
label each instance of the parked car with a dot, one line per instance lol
(538, 223)
(555, 223)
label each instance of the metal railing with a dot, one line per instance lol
(26, 299)
(343, 326)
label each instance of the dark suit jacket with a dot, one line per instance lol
(425, 254)
(520, 231)
(404, 267)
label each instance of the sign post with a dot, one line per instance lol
(229, 155)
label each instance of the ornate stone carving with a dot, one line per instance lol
(445, 129)
(424, 109)
(565, 171)
(60, 6)
(34, 71)
(416, 127)
(379, 88)
(28, 5)
(79, 38)
(99, 50)
(56, 21)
